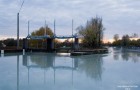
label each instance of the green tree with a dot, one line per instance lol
(116, 42)
(40, 32)
(125, 40)
(10, 42)
(92, 33)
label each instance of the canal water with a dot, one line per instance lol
(117, 70)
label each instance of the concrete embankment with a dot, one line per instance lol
(27, 50)
(88, 52)
(73, 53)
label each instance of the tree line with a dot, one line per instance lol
(126, 40)
(12, 43)
(91, 33)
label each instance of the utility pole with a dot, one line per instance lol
(54, 27)
(54, 34)
(45, 28)
(72, 36)
(17, 30)
(28, 27)
(18, 25)
(72, 27)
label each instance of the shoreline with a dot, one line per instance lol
(83, 51)
(89, 52)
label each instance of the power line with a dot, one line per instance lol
(21, 5)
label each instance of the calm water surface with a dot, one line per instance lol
(117, 70)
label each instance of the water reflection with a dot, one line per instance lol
(47, 62)
(41, 71)
(17, 72)
(116, 56)
(123, 54)
(92, 66)
(128, 55)
(38, 61)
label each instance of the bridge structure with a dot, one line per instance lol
(53, 37)
(50, 40)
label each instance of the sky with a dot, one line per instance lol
(119, 16)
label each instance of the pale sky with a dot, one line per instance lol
(119, 16)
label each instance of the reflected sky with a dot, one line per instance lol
(47, 71)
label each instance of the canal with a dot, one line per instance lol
(117, 70)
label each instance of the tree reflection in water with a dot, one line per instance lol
(125, 55)
(131, 56)
(92, 66)
(41, 60)
(116, 56)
